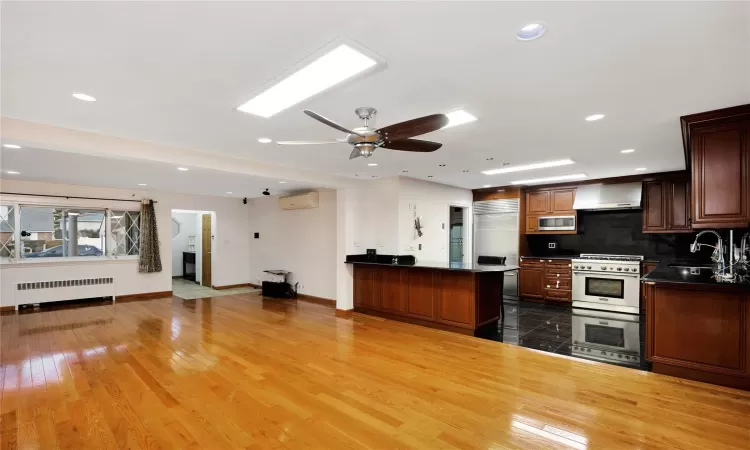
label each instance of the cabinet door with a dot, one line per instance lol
(654, 219)
(366, 291)
(678, 207)
(719, 158)
(537, 202)
(531, 282)
(456, 306)
(392, 289)
(562, 201)
(532, 224)
(420, 293)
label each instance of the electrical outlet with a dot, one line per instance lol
(552, 245)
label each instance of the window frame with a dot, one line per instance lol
(109, 240)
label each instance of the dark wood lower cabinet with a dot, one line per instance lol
(456, 300)
(699, 332)
(531, 282)
(546, 279)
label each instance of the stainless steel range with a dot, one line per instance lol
(606, 336)
(607, 282)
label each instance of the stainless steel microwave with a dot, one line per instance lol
(557, 223)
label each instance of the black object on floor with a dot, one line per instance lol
(617, 339)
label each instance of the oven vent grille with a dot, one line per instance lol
(63, 283)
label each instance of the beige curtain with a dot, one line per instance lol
(149, 259)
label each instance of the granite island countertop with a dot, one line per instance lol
(663, 273)
(462, 267)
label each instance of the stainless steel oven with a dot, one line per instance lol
(557, 223)
(606, 336)
(618, 291)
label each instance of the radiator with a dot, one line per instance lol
(59, 290)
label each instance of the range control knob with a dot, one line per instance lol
(604, 267)
(588, 267)
(634, 269)
(619, 269)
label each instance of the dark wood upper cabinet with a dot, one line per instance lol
(562, 201)
(716, 143)
(537, 202)
(666, 206)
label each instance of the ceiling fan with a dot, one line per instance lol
(394, 137)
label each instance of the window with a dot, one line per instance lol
(7, 231)
(54, 232)
(125, 229)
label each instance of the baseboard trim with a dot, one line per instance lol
(144, 296)
(7, 308)
(344, 313)
(256, 286)
(317, 300)
(232, 286)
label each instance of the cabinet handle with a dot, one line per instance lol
(568, 265)
(558, 275)
(548, 286)
(557, 286)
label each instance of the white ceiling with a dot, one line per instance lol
(174, 72)
(74, 168)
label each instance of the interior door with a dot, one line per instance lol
(206, 250)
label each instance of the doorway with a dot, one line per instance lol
(456, 235)
(206, 251)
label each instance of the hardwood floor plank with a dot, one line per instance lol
(241, 371)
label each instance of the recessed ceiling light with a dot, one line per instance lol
(441, 165)
(465, 170)
(229, 192)
(459, 117)
(627, 150)
(284, 182)
(594, 117)
(12, 172)
(374, 176)
(141, 184)
(84, 97)
(487, 185)
(541, 165)
(264, 140)
(574, 176)
(372, 164)
(531, 31)
(330, 69)
(640, 169)
(11, 146)
(489, 159)
(184, 169)
(404, 171)
(429, 176)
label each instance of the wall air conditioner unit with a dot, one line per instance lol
(301, 201)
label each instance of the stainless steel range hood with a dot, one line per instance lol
(608, 196)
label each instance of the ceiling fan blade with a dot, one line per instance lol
(329, 122)
(412, 145)
(310, 142)
(414, 127)
(355, 154)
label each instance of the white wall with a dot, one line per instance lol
(301, 241)
(180, 242)
(230, 252)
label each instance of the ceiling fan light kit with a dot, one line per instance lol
(366, 139)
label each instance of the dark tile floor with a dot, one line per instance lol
(550, 328)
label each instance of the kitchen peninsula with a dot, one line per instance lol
(460, 297)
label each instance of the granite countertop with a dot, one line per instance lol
(663, 273)
(464, 267)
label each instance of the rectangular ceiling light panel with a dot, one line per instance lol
(459, 117)
(339, 64)
(541, 165)
(573, 176)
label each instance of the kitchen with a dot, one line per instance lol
(627, 270)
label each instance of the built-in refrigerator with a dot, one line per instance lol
(496, 234)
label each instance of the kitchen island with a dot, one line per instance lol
(460, 297)
(696, 327)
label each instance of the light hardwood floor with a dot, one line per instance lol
(245, 372)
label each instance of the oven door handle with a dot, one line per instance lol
(618, 274)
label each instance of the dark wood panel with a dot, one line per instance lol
(532, 224)
(392, 289)
(538, 202)
(562, 201)
(558, 294)
(531, 282)
(456, 294)
(497, 193)
(720, 176)
(420, 292)
(553, 282)
(366, 290)
(697, 329)
(531, 262)
(559, 272)
(489, 292)
(678, 207)
(653, 207)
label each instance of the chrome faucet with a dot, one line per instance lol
(717, 256)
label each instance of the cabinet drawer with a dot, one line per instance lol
(526, 262)
(558, 294)
(559, 272)
(559, 263)
(557, 283)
